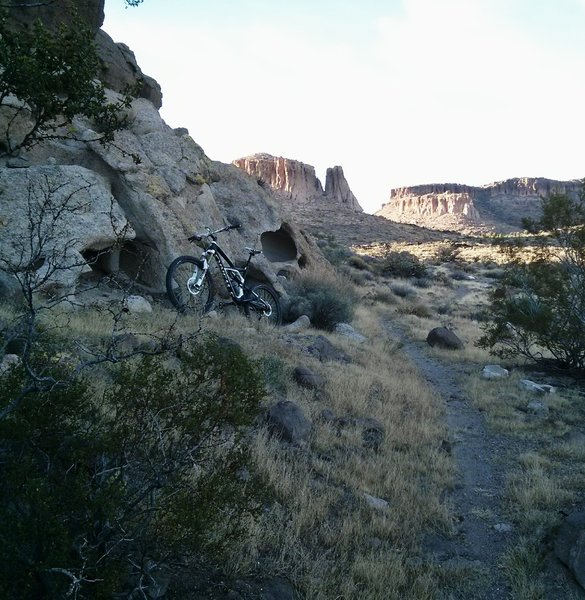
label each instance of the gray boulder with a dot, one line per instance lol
(301, 324)
(286, 419)
(346, 330)
(569, 545)
(444, 338)
(307, 378)
(494, 372)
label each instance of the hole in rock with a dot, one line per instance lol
(278, 246)
(139, 262)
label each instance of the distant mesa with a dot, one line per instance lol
(497, 207)
(296, 181)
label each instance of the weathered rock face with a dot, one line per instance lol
(120, 70)
(296, 183)
(52, 14)
(498, 206)
(337, 190)
(291, 179)
(130, 206)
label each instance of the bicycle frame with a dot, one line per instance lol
(215, 251)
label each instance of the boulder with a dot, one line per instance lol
(537, 388)
(307, 378)
(494, 372)
(137, 304)
(286, 419)
(537, 408)
(301, 324)
(56, 220)
(346, 330)
(569, 546)
(444, 338)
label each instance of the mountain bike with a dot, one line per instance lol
(191, 287)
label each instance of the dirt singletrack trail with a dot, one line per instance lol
(481, 534)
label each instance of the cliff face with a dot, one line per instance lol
(297, 183)
(498, 206)
(135, 202)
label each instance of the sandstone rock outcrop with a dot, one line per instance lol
(296, 182)
(495, 207)
(139, 199)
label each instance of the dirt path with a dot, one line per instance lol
(481, 533)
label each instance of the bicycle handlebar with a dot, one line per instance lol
(197, 237)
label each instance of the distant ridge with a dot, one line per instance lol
(497, 207)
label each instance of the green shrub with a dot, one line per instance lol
(323, 297)
(543, 320)
(102, 494)
(402, 264)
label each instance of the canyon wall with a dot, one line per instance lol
(499, 206)
(295, 182)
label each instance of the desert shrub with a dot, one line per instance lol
(447, 253)
(402, 264)
(324, 297)
(357, 262)
(383, 295)
(333, 251)
(459, 275)
(356, 276)
(543, 320)
(403, 290)
(107, 494)
(422, 282)
(417, 309)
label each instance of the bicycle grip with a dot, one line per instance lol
(194, 238)
(235, 226)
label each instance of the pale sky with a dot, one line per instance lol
(397, 92)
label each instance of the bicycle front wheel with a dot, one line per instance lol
(264, 304)
(187, 290)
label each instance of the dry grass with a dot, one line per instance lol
(545, 465)
(320, 532)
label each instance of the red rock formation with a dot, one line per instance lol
(498, 206)
(297, 181)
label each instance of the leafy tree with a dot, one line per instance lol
(47, 78)
(542, 318)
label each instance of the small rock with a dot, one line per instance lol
(444, 338)
(137, 304)
(538, 388)
(349, 332)
(307, 378)
(301, 324)
(494, 372)
(287, 419)
(377, 503)
(538, 408)
(503, 527)
(212, 315)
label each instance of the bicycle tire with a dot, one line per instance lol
(178, 273)
(268, 295)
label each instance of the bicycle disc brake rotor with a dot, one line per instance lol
(193, 283)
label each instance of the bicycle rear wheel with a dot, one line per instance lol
(186, 296)
(264, 304)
